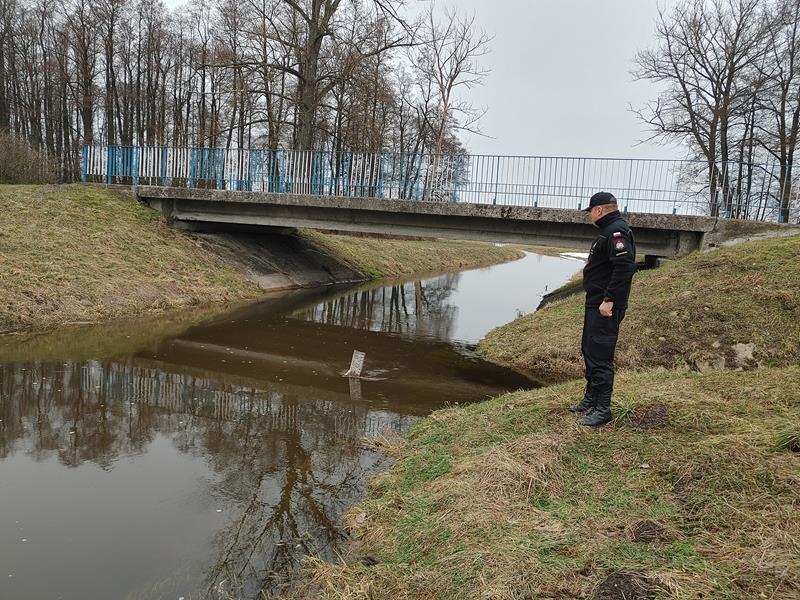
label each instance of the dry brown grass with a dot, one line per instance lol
(377, 257)
(522, 467)
(389, 443)
(74, 254)
(510, 499)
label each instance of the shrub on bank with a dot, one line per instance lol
(22, 164)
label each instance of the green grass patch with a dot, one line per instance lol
(532, 506)
(788, 439)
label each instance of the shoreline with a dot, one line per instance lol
(511, 497)
(84, 255)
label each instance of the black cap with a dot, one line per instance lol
(600, 199)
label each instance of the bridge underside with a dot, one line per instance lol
(657, 235)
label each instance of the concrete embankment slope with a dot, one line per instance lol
(692, 492)
(76, 254)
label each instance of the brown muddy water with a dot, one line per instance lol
(208, 462)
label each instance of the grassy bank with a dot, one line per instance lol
(375, 258)
(82, 254)
(72, 254)
(694, 492)
(740, 304)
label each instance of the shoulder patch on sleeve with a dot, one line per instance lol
(617, 234)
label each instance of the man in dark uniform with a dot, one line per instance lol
(607, 282)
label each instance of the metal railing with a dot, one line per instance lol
(738, 190)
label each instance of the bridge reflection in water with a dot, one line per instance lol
(255, 402)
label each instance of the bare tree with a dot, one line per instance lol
(308, 74)
(708, 56)
(81, 21)
(450, 57)
(7, 8)
(779, 128)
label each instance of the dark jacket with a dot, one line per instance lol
(612, 263)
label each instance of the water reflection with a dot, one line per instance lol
(459, 306)
(221, 456)
(286, 464)
(414, 309)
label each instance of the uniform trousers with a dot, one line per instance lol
(598, 344)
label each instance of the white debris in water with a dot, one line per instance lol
(219, 510)
(356, 364)
(24, 539)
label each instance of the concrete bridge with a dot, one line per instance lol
(658, 235)
(523, 199)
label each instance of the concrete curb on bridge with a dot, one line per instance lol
(661, 235)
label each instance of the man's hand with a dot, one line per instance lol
(607, 308)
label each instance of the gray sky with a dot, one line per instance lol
(560, 81)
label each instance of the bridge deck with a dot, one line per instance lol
(202, 209)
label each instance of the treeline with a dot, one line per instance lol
(306, 74)
(730, 70)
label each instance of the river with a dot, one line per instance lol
(211, 461)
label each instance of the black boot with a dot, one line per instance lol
(584, 405)
(600, 415)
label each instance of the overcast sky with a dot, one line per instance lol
(560, 82)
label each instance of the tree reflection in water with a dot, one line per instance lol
(414, 310)
(289, 465)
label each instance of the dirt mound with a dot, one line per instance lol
(647, 531)
(626, 586)
(651, 416)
